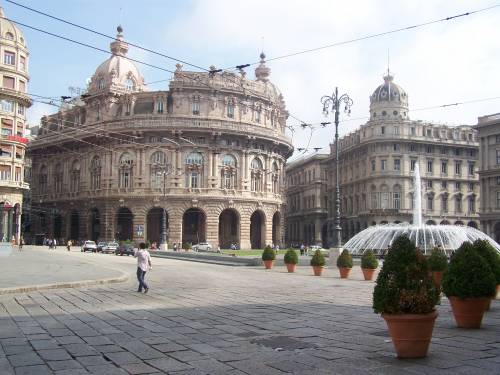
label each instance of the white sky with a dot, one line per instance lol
(444, 63)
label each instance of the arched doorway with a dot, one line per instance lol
(444, 222)
(75, 225)
(194, 226)
(58, 226)
(95, 224)
(257, 230)
(229, 228)
(472, 224)
(124, 224)
(430, 222)
(154, 223)
(277, 228)
(459, 222)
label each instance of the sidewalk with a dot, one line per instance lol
(36, 267)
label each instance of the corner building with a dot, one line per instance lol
(14, 101)
(210, 151)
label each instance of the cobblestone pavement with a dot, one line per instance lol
(209, 319)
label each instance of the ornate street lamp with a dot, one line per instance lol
(167, 169)
(332, 104)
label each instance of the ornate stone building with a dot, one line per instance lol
(14, 101)
(489, 174)
(210, 151)
(377, 163)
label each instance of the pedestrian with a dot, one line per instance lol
(175, 246)
(21, 243)
(302, 247)
(143, 265)
(54, 243)
(49, 242)
(68, 245)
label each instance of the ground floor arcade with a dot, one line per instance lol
(245, 225)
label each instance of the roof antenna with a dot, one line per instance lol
(388, 62)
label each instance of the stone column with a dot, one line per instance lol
(212, 228)
(174, 227)
(245, 232)
(317, 231)
(18, 226)
(139, 222)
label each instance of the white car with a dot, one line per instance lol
(110, 247)
(313, 248)
(89, 246)
(202, 246)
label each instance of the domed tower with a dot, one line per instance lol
(14, 101)
(389, 101)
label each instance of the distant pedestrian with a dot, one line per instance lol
(175, 246)
(49, 242)
(143, 265)
(21, 243)
(54, 243)
(302, 248)
(68, 245)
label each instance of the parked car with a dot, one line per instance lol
(125, 250)
(202, 246)
(110, 247)
(101, 245)
(313, 248)
(89, 246)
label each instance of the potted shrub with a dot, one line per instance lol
(186, 246)
(406, 297)
(437, 265)
(344, 263)
(368, 264)
(268, 256)
(492, 257)
(318, 262)
(469, 284)
(291, 259)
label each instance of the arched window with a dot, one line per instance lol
(100, 83)
(194, 170)
(125, 174)
(374, 199)
(257, 175)
(9, 36)
(396, 197)
(228, 172)
(129, 84)
(42, 179)
(75, 176)
(384, 197)
(58, 178)
(230, 108)
(95, 173)
(257, 114)
(98, 112)
(158, 169)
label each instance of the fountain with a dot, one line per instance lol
(447, 237)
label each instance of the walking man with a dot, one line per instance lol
(143, 265)
(68, 245)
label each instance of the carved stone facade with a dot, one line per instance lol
(210, 151)
(489, 174)
(14, 102)
(376, 171)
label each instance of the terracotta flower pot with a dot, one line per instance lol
(468, 312)
(290, 267)
(498, 291)
(268, 264)
(318, 270)
(437, 276)
(368, 273)
(411, 333)
(344, 272)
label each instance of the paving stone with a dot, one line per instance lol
(106, 370)
(108, 348)
(93, 360)
(44, 344)
(170, 347)
(72, 372)
(139, 368)
(123, 358)
(64, 365)
(33, 370)
(25, 359)
(70, 340)
(54, 354)
(17, 349)
(80, 350)
(168, 364)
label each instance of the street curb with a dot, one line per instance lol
(74, 284)
(208, 258)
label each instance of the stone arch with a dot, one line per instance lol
(95, 224)
(472, 224)
(124, 224)
(258, 229)
(194, 225)
(154, 224)
(75, 225)
(430, 222)
(229, 228)
(459, 222)
(444, 222)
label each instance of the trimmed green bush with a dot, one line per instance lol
(186, 246)
(490, 255)
(403, 284)
(468, 275)
(268, 253)
(345, 259)
(291, 257)
(368, 260)
(437, 260)
(318, 259)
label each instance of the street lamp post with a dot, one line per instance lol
(332, 104)
(166, 171)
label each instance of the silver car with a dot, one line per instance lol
(202, 246)
(89, 246)
(110, 247)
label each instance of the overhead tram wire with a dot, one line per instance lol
(372, 36)
(104, 35)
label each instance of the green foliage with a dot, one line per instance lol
(291, 257)
(468, 275)
(345, 259)
(127, 242)
(318, 259)
(437, 261)
(403, 284)
(268, 253)
(186, 246)
(368, 260)
(148, 245)
(491, 256)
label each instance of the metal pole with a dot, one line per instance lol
(164, 217)
(338, 229)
